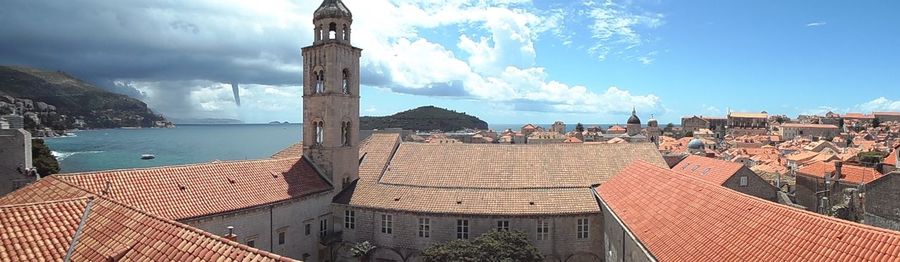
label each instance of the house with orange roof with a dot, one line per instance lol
(890, 163)
(791, 130)
(616, 129)
(728, 174)
(655, 214)
(821, 185)
(881, 205)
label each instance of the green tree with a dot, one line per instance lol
(841, 124)
(494, 246)
(669, 128)
(579, 128)
(43, 159)
(876, 122)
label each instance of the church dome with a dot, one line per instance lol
(332, 9)
(634, 120)
(695, 144)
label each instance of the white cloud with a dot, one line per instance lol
(879, 105)
(814, 24)
(616, 28)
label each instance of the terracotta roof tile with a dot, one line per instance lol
(188, 191)
(112, 231)
(681, 218)
(849, 173)
(295, 150)
(747, 115)
(891, 159)
(797, 125)
(712, 170)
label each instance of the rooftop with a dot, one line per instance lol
(797, 125)
(849, 173)
(682, 218)
(748, 115)
(109, 231)
(711, 170)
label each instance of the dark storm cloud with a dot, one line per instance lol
(102, 41)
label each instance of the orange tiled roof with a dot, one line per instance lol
(747, 115)
(294, 150)
(681, 218)
(616, 128)
(858, 116)
(712, 170)
(849, 173)
(189, 191)
(797, 125)
(891, 159)
(110, 232)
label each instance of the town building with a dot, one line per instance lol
(545, 137)
(790, 130)
(558, 127)
(740, 124)
(653, 214)
(731, 175)
(881, 206)
(653, 131)
(16, 168)
(820, 185)
(887, 116)
(694, 123)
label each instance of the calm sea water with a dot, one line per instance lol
(122, 148)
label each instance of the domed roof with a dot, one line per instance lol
(652, 121)
(695, 144)
(332, 9)
(634, 118)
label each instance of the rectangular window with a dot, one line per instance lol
(387, 224)
(349, 219)
(543, 229)
(583, 228)
(502, 225)
(251, 242)
(462, 229)
(281, 238)
(424, 227)
(307, 228)
(323, 227)
(744, 181)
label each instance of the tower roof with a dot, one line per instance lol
(332, 9)
(634, 118)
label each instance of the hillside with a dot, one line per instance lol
(424, 118)
(70, 97)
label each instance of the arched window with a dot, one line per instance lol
(345, 134)
(320, 133)
(345, 84)
(320, 82)
(321, 32)
(332, 31)
(345, 35)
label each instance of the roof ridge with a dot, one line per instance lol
(768, 203)
(45, 202)
(176, 166)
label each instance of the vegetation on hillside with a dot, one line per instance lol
(42, 158)
(491, 246)
(73, 99)
(424, 118)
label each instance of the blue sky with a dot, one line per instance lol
(505, 61)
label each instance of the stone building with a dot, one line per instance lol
(821, 185)
(545, 137)
(634, 124)
(732, 175)
(558, 127)
(695, 123)
(881, 206)
(887, 116)
(15, 160)
(740, 124)
(789, 131)
(653, 131)
(653, 214)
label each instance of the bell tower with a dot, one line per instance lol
(331, 95)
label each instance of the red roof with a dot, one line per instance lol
(849, 173)
(891, 159)
(712, 170)
(858, 116)
(110, 232)
(188, 191)
(681, 218)
(797, 125)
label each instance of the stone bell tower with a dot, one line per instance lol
(331, 95)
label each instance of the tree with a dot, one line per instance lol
(42, 158)
(876, 122)
(579, 128)
(841, 124)
(492, 246)
(362, 250)
(669, 128)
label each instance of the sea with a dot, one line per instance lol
(105, 149)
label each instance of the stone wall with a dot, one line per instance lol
(621, 245)
(404, 243)
(15, 155)
(756, 186)
(881, 203)
(262, 225)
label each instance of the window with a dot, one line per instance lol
(281, 238)
(323, 227)
(345, 84)
(251, 243)
(462, 229)
(502, 225)
(345, 33)
(349, 219)
(583, 228)
(387, 224)
(744, 181)
(320, 133)
(332, 31)
(320, 81)
(307, 229)
(424, 227)
(345, 134)
(543, 229)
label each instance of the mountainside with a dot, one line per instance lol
(34, 92)
(424, 118)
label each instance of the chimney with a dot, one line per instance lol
(231, 236)
(837, 170)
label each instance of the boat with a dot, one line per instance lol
(147, 156)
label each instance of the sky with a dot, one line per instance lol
(504, 61)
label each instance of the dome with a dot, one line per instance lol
(695, 144)
(332, 9)
(634, 120)
(652, 122)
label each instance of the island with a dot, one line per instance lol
(426, 118)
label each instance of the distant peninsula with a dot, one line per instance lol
(54, 101)
(426, 118)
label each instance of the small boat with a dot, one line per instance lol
(147, 156)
